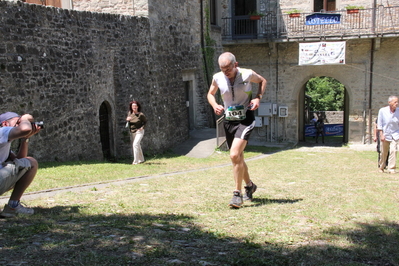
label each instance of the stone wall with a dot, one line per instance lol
(181, 21)
(181, 18)
(330, 117)
(62, 66)
(124, 7)
(175, 30)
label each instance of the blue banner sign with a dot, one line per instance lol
(329, 130)
(323, 19)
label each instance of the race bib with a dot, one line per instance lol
(236, 112)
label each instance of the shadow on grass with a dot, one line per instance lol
(262, 149)
(332, 141)
(149, 160)
(265, 201)
(66, 235)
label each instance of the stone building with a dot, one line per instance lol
(270, 46)
(78, 70)
(78, 66)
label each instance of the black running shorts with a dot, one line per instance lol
(238, 129)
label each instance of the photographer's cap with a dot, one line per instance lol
(8, 115)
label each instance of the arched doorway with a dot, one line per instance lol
(106, 133)
(328, 102)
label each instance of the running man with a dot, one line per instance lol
(235, 87)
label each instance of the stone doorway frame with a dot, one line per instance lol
(301, 111)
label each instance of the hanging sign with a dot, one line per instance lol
(322, 53)
(323, 19)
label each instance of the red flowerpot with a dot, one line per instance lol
(294, 15)
(254, 17)
(352, 11)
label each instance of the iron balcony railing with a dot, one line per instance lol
(367, 23)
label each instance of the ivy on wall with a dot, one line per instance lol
(208, 50)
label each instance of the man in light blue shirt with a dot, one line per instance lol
(388, 129)
(17, 171)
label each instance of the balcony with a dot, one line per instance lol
(367, 23)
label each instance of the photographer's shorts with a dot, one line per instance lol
(12, 172)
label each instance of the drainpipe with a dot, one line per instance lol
(204, 56)
(277, 87)
(371, 72)
(371, 88)
(203, 42)
(269, 127)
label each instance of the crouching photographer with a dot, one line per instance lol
(17, 171)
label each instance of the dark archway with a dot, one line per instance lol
(106, 130)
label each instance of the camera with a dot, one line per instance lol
(39, 124)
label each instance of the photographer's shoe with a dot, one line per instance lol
(9, 212)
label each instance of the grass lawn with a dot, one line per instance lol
(314, 206)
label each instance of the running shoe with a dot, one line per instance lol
(249, 191)
(236, 201)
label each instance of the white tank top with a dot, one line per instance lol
(238, 93)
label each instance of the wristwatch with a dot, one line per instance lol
(26, 140)
(259, 96)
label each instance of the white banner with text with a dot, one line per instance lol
(322, 53)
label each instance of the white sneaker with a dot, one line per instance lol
(12, 212)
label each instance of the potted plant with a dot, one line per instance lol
(294, 13)
(255, 15)
(353, 9)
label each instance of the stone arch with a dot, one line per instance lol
(106, 130)
(300, 95)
